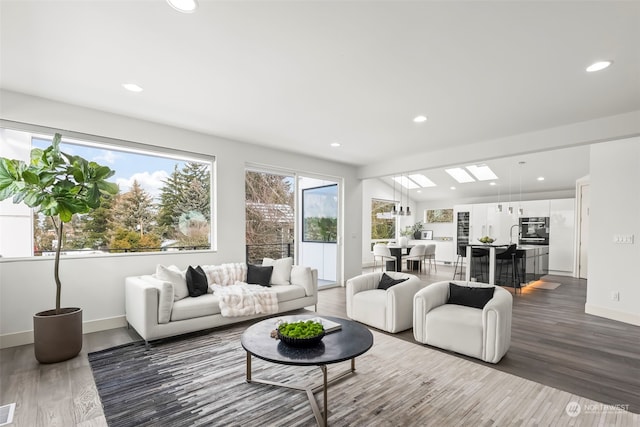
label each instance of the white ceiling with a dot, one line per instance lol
(298, 75)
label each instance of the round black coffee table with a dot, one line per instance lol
(347, 343)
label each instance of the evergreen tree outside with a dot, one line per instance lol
(150, 214)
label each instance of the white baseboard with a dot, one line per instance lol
(26, 337)
(620, 316)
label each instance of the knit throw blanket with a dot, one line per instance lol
(226, 274)
(243, 299)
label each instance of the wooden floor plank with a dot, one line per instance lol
(553, 343)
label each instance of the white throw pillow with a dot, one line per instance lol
(177, 278)
(281, 270)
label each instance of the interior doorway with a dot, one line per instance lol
(583, 230)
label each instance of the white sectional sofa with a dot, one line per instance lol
(154, 311)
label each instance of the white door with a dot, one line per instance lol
(583, 247)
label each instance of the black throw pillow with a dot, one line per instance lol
(387, 281)
(259, 275)
(470, 296)
(197, 283)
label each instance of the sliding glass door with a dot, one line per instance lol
(292, 215)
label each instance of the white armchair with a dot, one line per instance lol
(390, 309)
(481, 333)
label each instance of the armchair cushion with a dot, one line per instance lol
(386, 282)
(470, 296)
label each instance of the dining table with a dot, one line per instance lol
(397, 251)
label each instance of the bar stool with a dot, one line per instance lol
(462, 254)
(508, 257)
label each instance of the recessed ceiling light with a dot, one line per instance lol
(132, 87)
(460, 175)
(452, 188)
(185, 6)
(492, 183)
(482, 172)
(420, 119)
(541, 178)
(335, 144)
(597, 66)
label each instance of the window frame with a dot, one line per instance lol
(117, 144)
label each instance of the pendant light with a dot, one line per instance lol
(510, 209)
(499, 205)
(408, 208)
(401, 213)
(520, 209)
(394, 211)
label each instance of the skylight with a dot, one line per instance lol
(460, 175)
(406, 182)
(422, 180)
(482, 172)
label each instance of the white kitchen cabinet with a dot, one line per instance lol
(486, 220)
(561, 235)
(533, 207)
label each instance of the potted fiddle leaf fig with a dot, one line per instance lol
(58, 185)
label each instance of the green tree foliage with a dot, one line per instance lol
(320, 229)
(97, 225)
(134, 212)
(185, 195)
(382, 226)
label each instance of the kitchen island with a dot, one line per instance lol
(533, 262)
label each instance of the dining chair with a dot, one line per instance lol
(430, 255)
(384, 253)
(416, 253)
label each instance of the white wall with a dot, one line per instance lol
(96, 284)
(615, 210)
(376, 189)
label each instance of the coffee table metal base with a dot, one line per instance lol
(321, 417)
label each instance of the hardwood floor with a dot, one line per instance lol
(553, 342)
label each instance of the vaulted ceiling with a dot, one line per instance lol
(300, 75)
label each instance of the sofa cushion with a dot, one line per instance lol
(281, 270)
(455, 327)
(259, 275)
(288, 292)
(189, 308)
(387, 281)
(196, 281)
(470, 296)
(174, 276)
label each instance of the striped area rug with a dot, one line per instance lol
(199, 380)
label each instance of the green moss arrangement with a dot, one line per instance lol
(301, 329)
